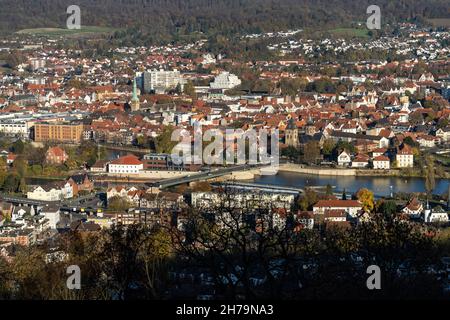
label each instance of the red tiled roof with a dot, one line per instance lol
(56, 151)
(127, 160)
(381, 158)
(338, 203)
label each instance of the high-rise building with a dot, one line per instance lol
(61, 132)
(161, 80)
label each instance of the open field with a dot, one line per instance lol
(66, 32)
(350, 32)
(440, 22)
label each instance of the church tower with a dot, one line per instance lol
(291, 134)
(135, 104)
(310, 129)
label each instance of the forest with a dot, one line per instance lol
(168, 20)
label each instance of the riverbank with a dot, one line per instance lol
(381, 186)
(298, 168)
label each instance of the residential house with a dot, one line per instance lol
(351, 207)
(20, 211)
(436, 215)
(427, 141)
(52, 214)
(51, 192)
(80, 182)
(413, 208)
(378, 152)
(335, 215)
(443, 134)
(56, 155)
(99, 166)
(360, 161)
(344, 159)
(404, 157)
(381, 162)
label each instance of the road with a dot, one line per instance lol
(65, 202)
(215, 173)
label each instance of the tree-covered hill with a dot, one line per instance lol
(164, 19)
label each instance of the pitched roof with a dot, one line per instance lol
(56, 151)
(127, 160)
(338, 203)
(381, 158)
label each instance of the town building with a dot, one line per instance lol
(351, 207)
(344, 159)
(59, 132)
(160, 81)
(80, 183)
(381, 162)
(413, 208)
(129, 164)
(225, 81)
(56, 191)
(56, 155)
(404, 157)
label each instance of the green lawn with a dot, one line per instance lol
(66, 32)
(350, 32)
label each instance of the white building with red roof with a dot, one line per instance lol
(129, 164)
(405, 157)
(413, 208)
(381, 162)
(360, 161)
(56, 155)
(351, 207)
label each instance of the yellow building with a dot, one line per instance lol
(61, 132)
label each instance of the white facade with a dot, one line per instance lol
(443, 134)
(161, 79)
(404, 160)
(242, 200)
(14, 128)
(53, 194)
(125, 168)
(360, 164)
(383, 143)
(381, 164)
(437, 216)
(426, 142)
(351, 207)
(225, 80)
(344, 159)
(53, 217)
(40, 194)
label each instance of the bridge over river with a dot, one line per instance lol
(207, 175)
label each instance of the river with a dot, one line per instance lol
(381, 186)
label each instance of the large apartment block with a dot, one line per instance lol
(61, 132)
(161, 80)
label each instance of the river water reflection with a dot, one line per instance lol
(381, 186)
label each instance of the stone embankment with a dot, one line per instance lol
(298, 168)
